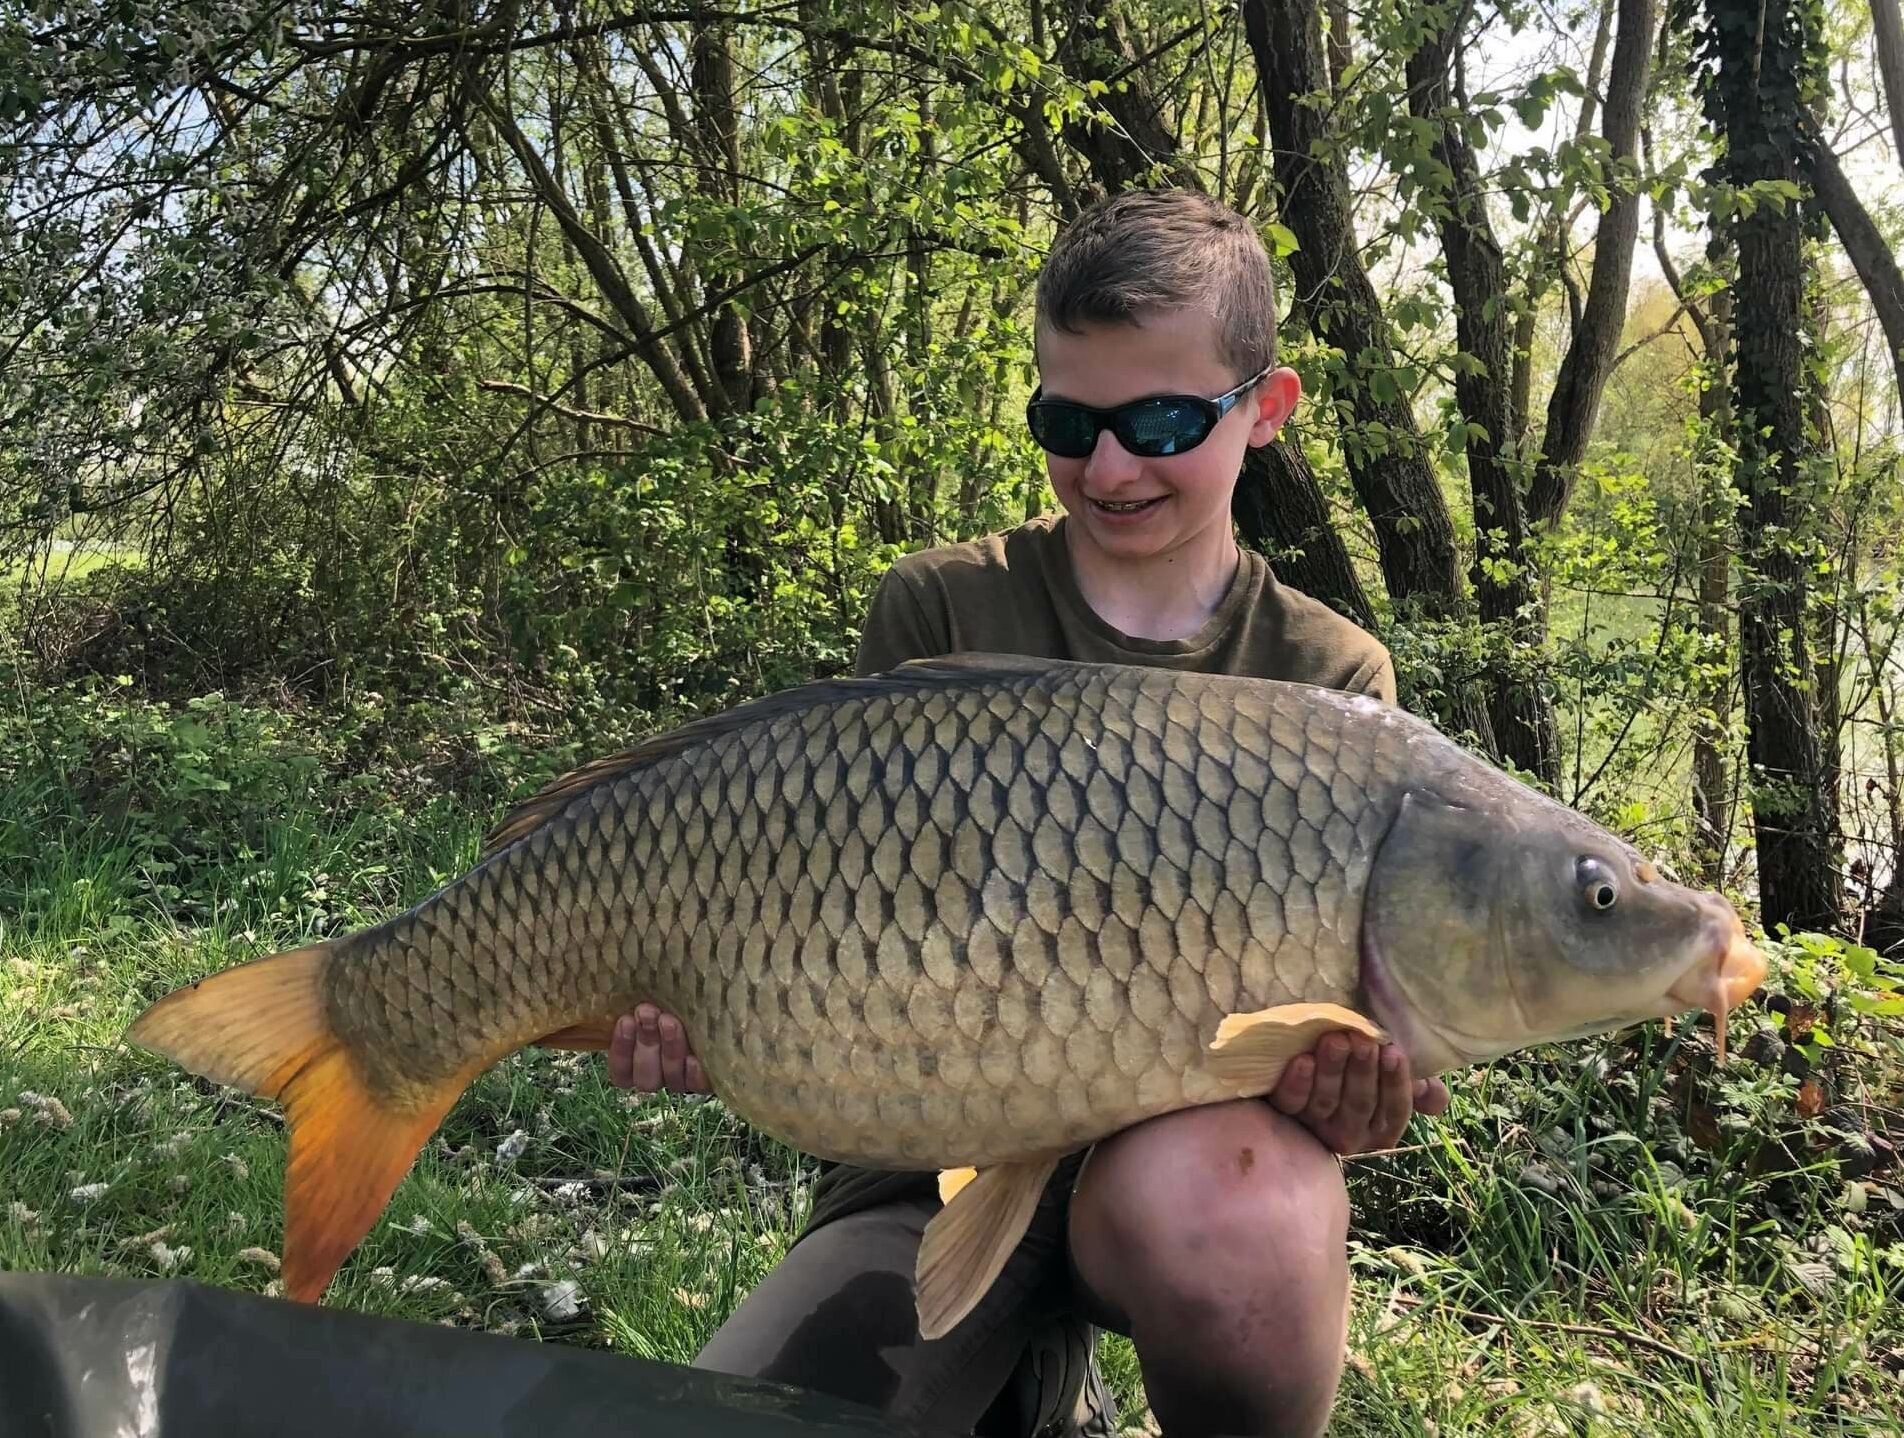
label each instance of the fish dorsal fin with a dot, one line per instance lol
(964, 1247)
(952, 671)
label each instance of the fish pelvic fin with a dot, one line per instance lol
(261, 1027)
(965, 1246)
(1251, 1051)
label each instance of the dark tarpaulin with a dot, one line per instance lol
(118, 1358)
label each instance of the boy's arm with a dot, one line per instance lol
(1376, 677)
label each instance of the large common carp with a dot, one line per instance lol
(980, 911)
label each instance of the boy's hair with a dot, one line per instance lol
(1142, 252)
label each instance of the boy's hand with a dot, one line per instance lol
(649, 1052)
(1353, 1097)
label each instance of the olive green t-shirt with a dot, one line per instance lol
(1017, 593)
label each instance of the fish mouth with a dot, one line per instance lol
(1722, 978)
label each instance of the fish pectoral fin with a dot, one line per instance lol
(1252, 1050)
(586, 1037)
(952, 1182)
(965, 1246)
(262, 1027)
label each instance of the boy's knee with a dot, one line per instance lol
(1215, 1197)
(1217, 1238)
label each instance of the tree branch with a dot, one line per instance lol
(1575, 403)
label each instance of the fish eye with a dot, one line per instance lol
(1597, 884)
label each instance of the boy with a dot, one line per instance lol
(1214, 1238)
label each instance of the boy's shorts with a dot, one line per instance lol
(837, 1316)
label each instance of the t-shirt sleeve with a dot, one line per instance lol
(1375, 677)
(898, 627)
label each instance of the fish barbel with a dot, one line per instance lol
(978, 912)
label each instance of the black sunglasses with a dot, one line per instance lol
(1149, 428)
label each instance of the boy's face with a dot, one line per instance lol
(1130, 508)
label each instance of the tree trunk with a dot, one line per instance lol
(1280, 510)
(1504, 575)
(1387, 460)
(1340, 52)
(1754, 100)
(1870, 256)
(1887, 33)
(1575, 402)
(1711, 782)
(1549, 251)
(1884, 918)
(717, 139)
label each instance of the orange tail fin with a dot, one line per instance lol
(261, 1027)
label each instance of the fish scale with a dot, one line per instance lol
(980, 911)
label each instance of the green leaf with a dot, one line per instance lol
(1282, 238)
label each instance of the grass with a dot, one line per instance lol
(68, 560)
(1606, 1239)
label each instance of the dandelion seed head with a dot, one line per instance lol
(563, 1301)
(512, 1148)
(47, 1109)
(168, 1258)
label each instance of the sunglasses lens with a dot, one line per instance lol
(1063, 429)
(1163, 426)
